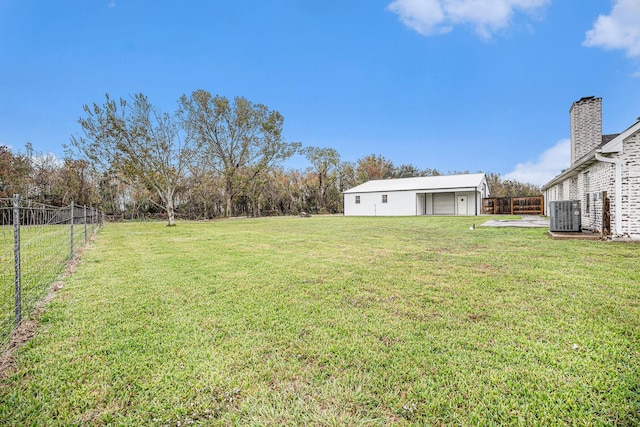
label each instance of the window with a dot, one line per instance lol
(384, 198)
(587, 207)
(357, 200)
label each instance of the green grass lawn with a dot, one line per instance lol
(336, 321)
(44, 253)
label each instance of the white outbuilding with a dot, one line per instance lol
(428, 195)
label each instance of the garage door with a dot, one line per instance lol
(444, 204)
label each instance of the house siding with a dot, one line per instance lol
(601, 178)
(572, 189)
(631, 185)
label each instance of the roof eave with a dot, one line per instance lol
(423, 190)
(615, 145)
(585, 162)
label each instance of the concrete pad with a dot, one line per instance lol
(527, 221)
(578, 235)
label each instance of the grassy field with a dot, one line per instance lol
(45, 251)
(336, 321)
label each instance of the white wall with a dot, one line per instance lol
(630, 216)
(403, 203)
(550, 195)
(400, 203)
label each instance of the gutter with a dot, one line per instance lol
(617, 189)
(571, 171)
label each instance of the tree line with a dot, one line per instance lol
(212, 157)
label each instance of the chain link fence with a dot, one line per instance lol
(37, 242)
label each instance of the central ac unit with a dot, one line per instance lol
(565, 215)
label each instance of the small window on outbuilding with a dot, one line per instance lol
(357, 200)
(384, 198)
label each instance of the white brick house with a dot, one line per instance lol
(600, 163)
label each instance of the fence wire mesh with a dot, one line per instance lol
(37, 242)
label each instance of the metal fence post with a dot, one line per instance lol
(86, 237)
(71, 221)
(16, 256)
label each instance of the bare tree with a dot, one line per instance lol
(138, 143)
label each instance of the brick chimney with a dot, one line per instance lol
(586, 126)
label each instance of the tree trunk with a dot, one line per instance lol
(229, 197)
(321, 193)
(227, 211)
(170, 212)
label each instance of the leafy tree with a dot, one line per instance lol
(285, 191)
(139, 144)
(430, 172)
(500, 187)
(111, 193)
(325, 163)
(14, 173)
(203, 198)
(347, 177)
(43, 177)
(406, 171)
(237, 136)
(373, 167)
(295, 191)
(75, 183)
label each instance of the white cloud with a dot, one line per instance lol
(619, 30)
(429, 17)
(548, 165)
(111, 4)
(423, 16)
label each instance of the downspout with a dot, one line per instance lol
(617, 189)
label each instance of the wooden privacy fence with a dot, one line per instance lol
(531, 205)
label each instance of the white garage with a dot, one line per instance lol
(429, 195)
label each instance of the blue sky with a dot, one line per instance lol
(446, 84)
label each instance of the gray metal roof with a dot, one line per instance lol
(440, 182)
